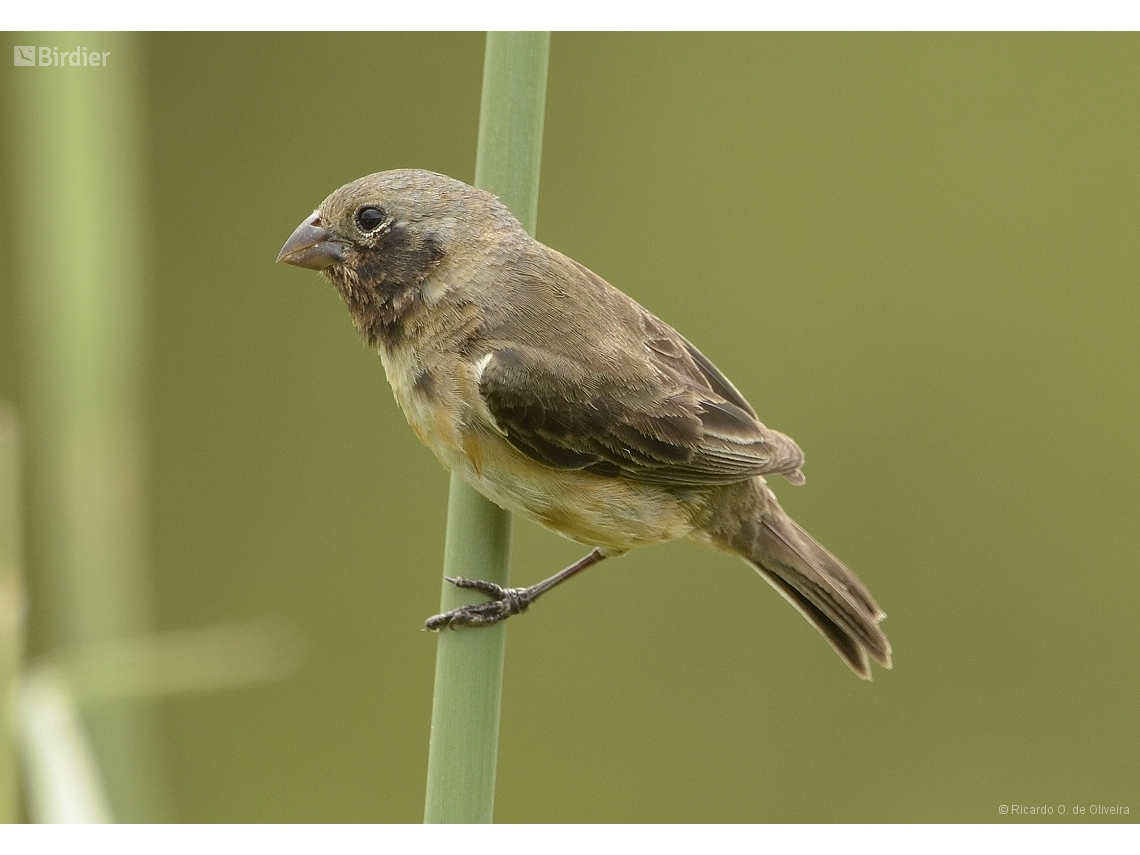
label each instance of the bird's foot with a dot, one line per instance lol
(504, 603)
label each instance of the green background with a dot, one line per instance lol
(916, 254)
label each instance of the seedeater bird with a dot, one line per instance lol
(562, 400)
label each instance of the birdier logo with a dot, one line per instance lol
(81, 56)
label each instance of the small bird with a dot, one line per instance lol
(562, 400)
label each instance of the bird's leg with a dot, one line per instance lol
(504, 601)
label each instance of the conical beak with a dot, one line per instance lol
(310, 246)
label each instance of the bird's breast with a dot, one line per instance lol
(439, 395)
(431, 391)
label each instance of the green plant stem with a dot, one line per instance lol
(469, 662)
(81, 238)
(64, 784)
(11, 611)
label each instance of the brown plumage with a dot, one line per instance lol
(563, 400)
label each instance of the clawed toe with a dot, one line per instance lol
(480, 614)
(495, 592)
(504, 603)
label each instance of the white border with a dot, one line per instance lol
(595, 839)
(578, 15)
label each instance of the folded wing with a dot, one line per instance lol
(667, 415)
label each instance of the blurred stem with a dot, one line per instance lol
(81, 238)
(188, 660)
(469, 662)
(64, 784)
(11, 611)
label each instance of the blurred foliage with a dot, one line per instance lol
(79, 184)
(915, 254)
(13, 608)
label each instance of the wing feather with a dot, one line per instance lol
(671, 419)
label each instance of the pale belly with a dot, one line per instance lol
(449, 417)
(590, 509)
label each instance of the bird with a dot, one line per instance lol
(563, 400)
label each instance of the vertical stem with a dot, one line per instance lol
(469, 663)
(11, 610)
(63, 780)
(509, 152)
(81, 239)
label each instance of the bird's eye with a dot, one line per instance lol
(369, 219)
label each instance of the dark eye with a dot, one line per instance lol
(369, 219)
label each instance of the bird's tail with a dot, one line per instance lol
(813, 580)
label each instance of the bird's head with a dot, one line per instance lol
(381, 238)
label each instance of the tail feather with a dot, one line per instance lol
(849, 650)
(817, 583)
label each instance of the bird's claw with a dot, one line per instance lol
(495, 592)
(504, 603)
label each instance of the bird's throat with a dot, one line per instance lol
(383, 289)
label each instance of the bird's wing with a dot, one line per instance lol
(666, 415)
